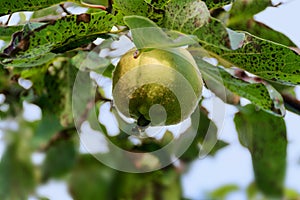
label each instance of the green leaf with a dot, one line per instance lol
(59, 36)
(60, 159)
(8, 7)
(265, 137)
(266, 59)
(186, 15)
(214, 33)
(15, 33)
(220, 81)
(247, 8)
(147, 35)
(17, 179)
(131, 7)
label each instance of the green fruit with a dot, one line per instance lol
(161, 86)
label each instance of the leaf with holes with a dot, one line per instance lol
(8, 7)
(219, 81)
(266, 59)
(58, 36)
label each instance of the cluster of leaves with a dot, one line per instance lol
(48, 49)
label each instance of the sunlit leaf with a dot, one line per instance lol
(265, 137)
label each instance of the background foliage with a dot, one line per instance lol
(253, 62)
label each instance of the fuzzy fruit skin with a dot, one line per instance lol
(151, 79)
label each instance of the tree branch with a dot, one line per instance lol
(291, 102)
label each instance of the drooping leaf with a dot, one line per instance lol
(146, 34)
(8, 7)
(59, 36)
(265, 137)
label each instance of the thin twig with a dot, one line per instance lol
(62, 135)
(9, 17)
(64, 9)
